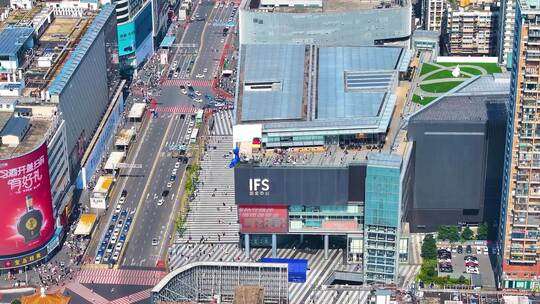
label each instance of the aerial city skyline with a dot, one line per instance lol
(269, 151)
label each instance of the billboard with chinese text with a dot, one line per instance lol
(27, 215)
(263, 219)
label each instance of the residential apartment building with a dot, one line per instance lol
(433, 14)
(520, 199)
(471, 30)
(506, 32)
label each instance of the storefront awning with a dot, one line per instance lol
(86, 223)
(114, 159)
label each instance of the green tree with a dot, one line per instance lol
(462, 280)
(483, 231)
(467, 233)
(448, 233)
(429, 248)
(16, 301)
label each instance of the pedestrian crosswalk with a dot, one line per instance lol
(415, 247)
(86, 293)
(133, 298)
(176, 109)
(212, 212)
(222, 123)
(120, 276)
(185, 82)
(407, 274)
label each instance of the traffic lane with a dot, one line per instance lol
(155, 217)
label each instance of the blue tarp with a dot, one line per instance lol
(297, 268)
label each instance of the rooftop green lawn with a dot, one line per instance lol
(426, 68)
(443, 74)
(472, 71)
(441, 87)
(490, 67)
(426, 100)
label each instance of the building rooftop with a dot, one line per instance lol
(13, 38)
(470, 101)
(304, 6)
(282, 68)
(77, 55)
(290, 88)
(37, 133)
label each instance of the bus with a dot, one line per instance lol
(193, 137)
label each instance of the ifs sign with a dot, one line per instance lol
(259, 187)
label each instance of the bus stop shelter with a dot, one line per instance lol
(137, 110)
(114, 159)
(124, 137)
(86, 224)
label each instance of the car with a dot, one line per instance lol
(126, 228)
(470, 258)
(118, 208)
(198, 93)
(116, 231)
(222, 40)
(123, 213)
(172, 178)
(124, 193)
(188, 84)
(118, 246)
(199, 76)
(468, 249)
(129, 220)
(154, 242)
(114, 238)
(169, 184)
(161, 201)
(120, 224)
(104, 243)
(191, 123)
(485, 249)
(122, 238)
(107, 238)
(177, 165)
(98, 259)
(460, 249)
(175, 75)
(478, 250)
(110, 248)
(184, 91)
(110, 229)
(175, 170)
(115, 255)
(199, 100)
(205, 70)
(175, 62)
(122, 200)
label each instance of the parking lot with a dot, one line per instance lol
(458, 260)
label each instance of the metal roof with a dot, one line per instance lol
(80, 51)
(280, 64)
(13, 38)
(353, 81)
(15, 126)
(167, 42)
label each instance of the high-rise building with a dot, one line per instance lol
(471, 29)
(520, 200)
(506, 32)
(433, 14)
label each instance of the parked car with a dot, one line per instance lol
(468, 249)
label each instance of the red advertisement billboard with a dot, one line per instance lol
(340, 225)
(27, 217)
(263, 219)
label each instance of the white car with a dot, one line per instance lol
(116, 232)
(118, 246)
(113, 239)
(122, 200)
(115, 255)
(161, 201)
(205, 70)
(169, 184)
(198, 99)
(154, 242)
(184, 91)
(174, 171)
(118, 208)
(177, 165)
(197, 93)
(175, 75)
(188, 84)
(98, 259)
(191, 124)
(199, 76)
(222, 40)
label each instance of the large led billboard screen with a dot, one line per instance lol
(27, 216)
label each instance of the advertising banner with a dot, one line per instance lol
(297, 268)
(340, 225)
(98, 202)
(263, 219)
(291, 186)
(27, 217)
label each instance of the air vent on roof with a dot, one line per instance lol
(368, 80)
(262, 86)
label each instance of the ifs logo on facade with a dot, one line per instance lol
(259, 187)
